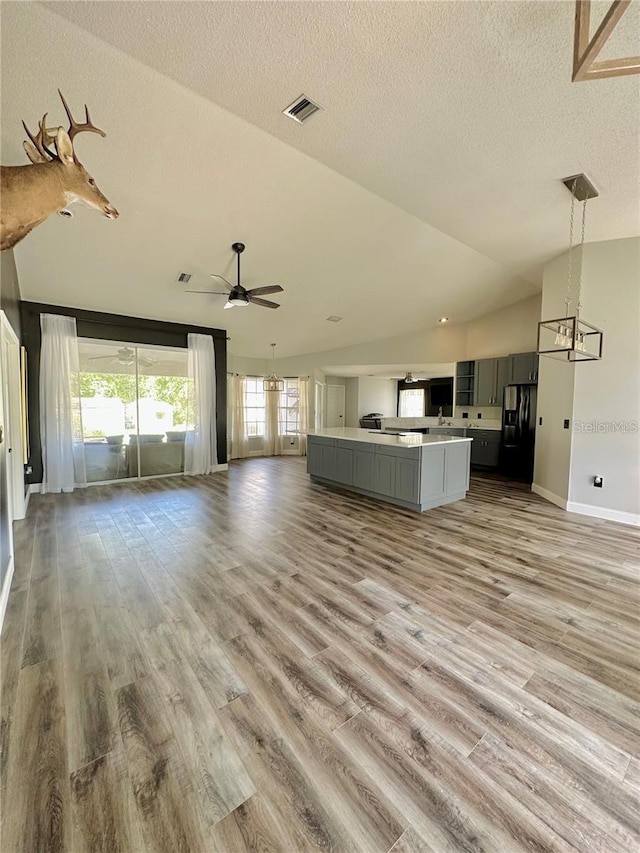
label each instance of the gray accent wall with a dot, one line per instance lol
(10, 290)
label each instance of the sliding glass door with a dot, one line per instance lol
(133, 403)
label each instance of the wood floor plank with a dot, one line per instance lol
(91, 720)
(255, 828)
(36, 808)
(10, 659)
(218, 776)
(103, 807)
(581, 821)
(162, 788)
(43, 638)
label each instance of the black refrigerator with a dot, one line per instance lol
(518, 432)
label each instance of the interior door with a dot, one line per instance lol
(335, 405)
(319, 410)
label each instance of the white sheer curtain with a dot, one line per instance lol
(273, 443)
(60, 415)
(236, 420)
(303, 414)
(200, 453)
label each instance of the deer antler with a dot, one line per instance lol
(75, 127)
(41, 140)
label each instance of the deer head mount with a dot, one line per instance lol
(29, 194)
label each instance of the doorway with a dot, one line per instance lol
(12, 489)
(335, 405)
(319, 407)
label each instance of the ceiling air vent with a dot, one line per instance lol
(302, 109)
(184, 277)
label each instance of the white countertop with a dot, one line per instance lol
(412, 439)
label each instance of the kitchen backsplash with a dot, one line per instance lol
(489, 413)
(494, 422)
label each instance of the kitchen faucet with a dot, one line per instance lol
(440, 417)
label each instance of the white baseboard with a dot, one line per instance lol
(35, 489)
(603, 512)
(549, 496)
(4, 595)
(588, 509)
(223, 466)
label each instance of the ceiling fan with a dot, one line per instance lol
(125, 356)
(237, 295)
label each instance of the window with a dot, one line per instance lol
(134, 409)
(254, 407)
(289, 408)
(411, 403)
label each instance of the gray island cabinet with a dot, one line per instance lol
(414, 471)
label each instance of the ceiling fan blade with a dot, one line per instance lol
(214, 292)
(222, 278)
(264, 302)
(269, 288)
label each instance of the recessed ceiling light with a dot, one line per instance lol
(66, 214)
(443, 320)
(334, 319)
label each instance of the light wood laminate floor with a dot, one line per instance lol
(251, 662)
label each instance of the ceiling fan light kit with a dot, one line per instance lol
(570, 338)
(237, 295)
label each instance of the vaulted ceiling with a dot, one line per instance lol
(428, 186)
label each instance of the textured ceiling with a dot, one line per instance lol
(462, 113)
(446, 128)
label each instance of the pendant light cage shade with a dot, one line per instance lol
(271, 382)
(570, 339)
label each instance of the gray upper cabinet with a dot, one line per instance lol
(503, 377)
(491, 375)
(524, 368)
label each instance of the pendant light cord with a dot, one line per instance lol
(584, 219)
(570, 275)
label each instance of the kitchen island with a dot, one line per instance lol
(413, 471)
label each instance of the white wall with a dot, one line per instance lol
(513, 329)
(608, 391)
(352, 418)
(377, 395)
(594, 396)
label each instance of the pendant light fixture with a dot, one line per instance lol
(271, 382)
(570, 337)
(409, 378)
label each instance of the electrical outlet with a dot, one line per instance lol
(598, 481)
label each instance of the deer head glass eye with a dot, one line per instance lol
(91, 182)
